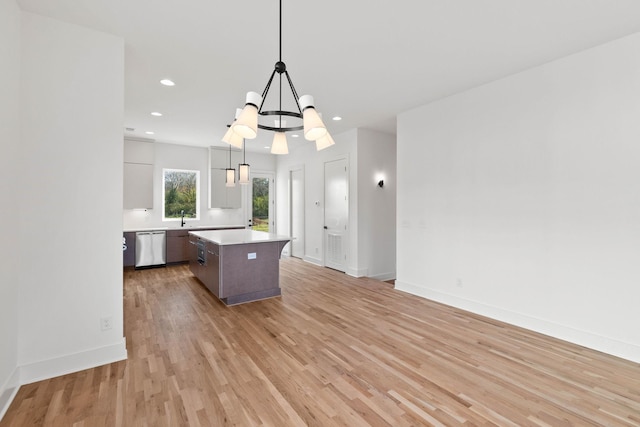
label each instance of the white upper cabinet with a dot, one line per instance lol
(138, 175)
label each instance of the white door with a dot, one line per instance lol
(260, 201)
(296, 218)
(336, 214)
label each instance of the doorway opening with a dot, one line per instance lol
(336, 214)
(296, 212)
(261, 202)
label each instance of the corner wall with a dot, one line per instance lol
(72, 108)
(371, 229)
(313, 161)
(377, 205)
(519, 199)
(10, 211)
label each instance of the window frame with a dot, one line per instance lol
(197, 202)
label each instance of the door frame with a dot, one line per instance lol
(347, 235)
(291, 170)
(271, 175)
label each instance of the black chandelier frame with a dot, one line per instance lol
(280, 68)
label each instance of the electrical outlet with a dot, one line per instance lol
(106, 323)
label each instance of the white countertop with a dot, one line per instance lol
(238, 237)
(186, 227)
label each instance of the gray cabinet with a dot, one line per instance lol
(177, 246)
(138, 175)
(220, 195)
(194, 265)
(211, 273)
(129, 249)
(207, 268)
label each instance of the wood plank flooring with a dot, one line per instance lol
(332, 351)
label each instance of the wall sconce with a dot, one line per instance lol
(381, 183)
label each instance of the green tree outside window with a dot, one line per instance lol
(180, 193)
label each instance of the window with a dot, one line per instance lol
(180, 194)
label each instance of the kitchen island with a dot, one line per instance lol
(237, 266)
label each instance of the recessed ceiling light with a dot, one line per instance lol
(295, 135)
(167, 82)
(337, 118)
(149, 132)
(267, 147)
(155, 113)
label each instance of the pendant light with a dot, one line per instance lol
(279, 145)
(231, 137)
(243, 168)
(324, 142)
(231, 173)
(247, 123)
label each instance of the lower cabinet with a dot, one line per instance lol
(177, 246)
(211, 274)
(129, 249)
(192, 250)
(207, 266)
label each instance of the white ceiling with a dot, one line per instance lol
(366, 61)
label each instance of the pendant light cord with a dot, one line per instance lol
(280, 53)
(280, 24)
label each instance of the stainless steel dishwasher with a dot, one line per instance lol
(151, 247)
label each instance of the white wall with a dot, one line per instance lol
(377, 206)
(313, 162)
(70, 225)
(371, 229)
(9, 209)
(520, 199)
(177, 156)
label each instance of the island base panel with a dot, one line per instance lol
(251, 296)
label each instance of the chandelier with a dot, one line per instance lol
(247, 119)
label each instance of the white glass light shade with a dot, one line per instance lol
(314, 128)
(243, 171)
(231, 178)
(247, 123)
(279, 145)
(324, 142)
(233, 138)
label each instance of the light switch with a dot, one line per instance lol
(251, 255)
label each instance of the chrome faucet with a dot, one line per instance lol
(182, 223)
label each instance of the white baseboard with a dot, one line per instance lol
(566, 333)
(8, 391)
(357, 272)
(384, 276)
(314, 261)
(51, 368)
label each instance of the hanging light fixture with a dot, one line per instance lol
(247, 122)
(279, 145)
(324, 142)
(243, 168)
(231, 173)
(231, 137)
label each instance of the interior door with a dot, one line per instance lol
(261, 202)
(336, 213)
(296, 217)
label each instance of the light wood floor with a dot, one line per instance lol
(333, 350)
